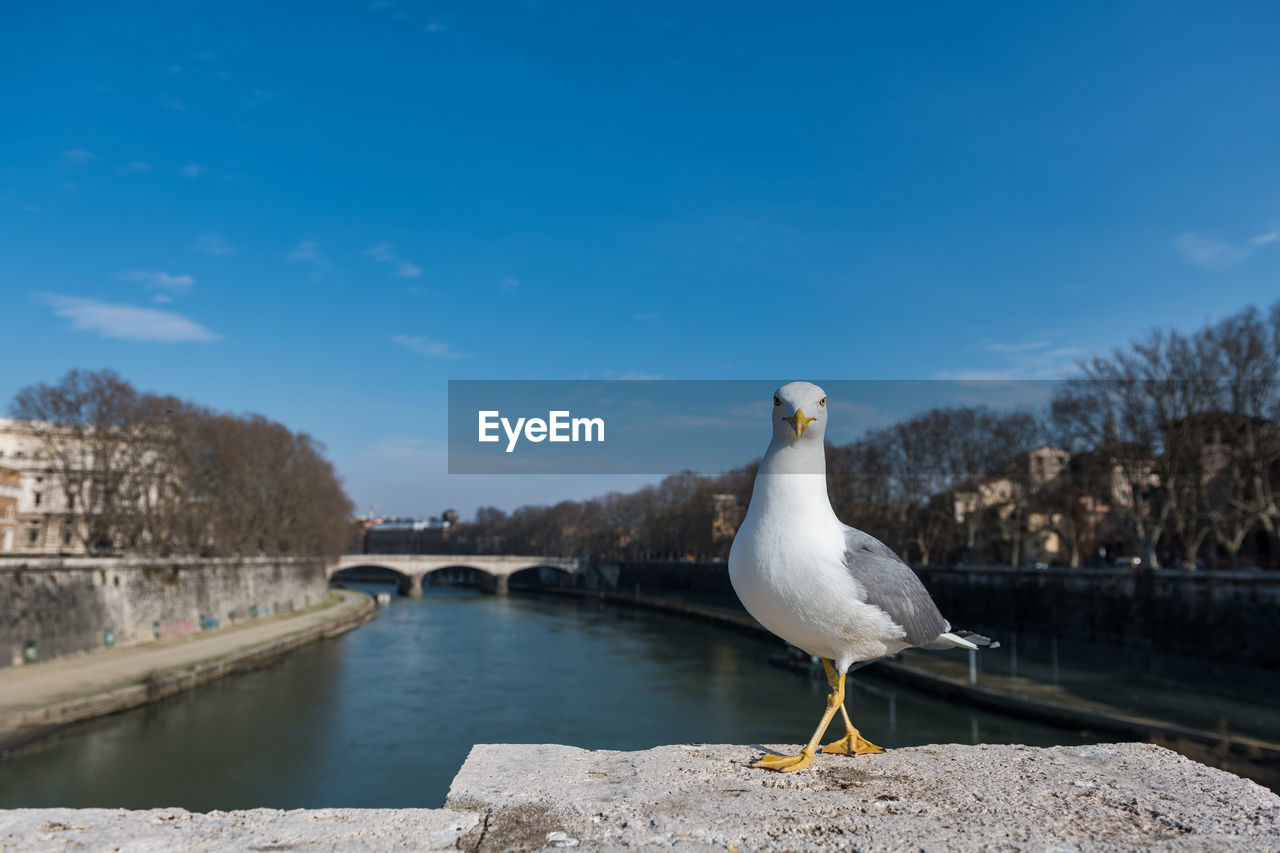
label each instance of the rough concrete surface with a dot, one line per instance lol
(164, 830)
(1104, 797)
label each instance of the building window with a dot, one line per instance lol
(66, 537)
(37, 496)
(33, 535)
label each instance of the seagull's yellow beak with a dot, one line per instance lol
(799, 422)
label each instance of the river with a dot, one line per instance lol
(385, 715)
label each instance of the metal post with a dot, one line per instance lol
(1013, 660)
(1054, 655)
(973, 667)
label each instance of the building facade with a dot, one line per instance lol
(10, 493)
(43, 522)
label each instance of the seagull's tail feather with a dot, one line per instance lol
(962, 640)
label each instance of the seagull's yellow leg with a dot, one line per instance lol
(853, 743)
(792, 763)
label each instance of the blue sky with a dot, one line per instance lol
(324, 211)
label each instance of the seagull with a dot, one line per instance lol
(829, 589)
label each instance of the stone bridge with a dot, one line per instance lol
(415, 567)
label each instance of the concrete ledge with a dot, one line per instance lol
(945, 798)
(41, 830)
(948, 797)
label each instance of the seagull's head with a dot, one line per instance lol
(799, 413)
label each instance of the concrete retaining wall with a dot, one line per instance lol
(1215, 629)
(1220, 616)
(63, 606)
(1226, 620)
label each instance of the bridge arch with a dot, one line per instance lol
(494, 569)
(538, 577)
(374, 572)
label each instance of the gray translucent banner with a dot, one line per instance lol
(669, 427)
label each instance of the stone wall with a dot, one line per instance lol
(1228, 618)
(64, 606)
(1209, 628)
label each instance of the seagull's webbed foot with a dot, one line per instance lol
(786, 763)
(851, 744)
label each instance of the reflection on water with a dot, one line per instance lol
(385, 715)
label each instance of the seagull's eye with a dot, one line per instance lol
(822, 402)
(777, 402)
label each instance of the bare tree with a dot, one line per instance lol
(147, 473)
(90, 427)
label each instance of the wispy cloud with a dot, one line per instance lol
(510, 284)
(429, 348)
(156, 280)
(998, 346)
(79, 156)
(126, 322)
(169, 102)
(307, 253)
(307, 250)
(1034, 359)
(400, 267)
(212, 244)
(192, 170)
(1210, 252)
(381, 253)
(134, 167)
(631, 375)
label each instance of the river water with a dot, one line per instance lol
(385, 715)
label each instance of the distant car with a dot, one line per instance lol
(1127, 562)
(1038, 565)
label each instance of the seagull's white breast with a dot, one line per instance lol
(787, 566)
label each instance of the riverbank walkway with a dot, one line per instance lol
(37, 697)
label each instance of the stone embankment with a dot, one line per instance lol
(40, 698)
(947, 797)
(65, 606)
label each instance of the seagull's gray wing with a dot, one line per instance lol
(890, 584)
